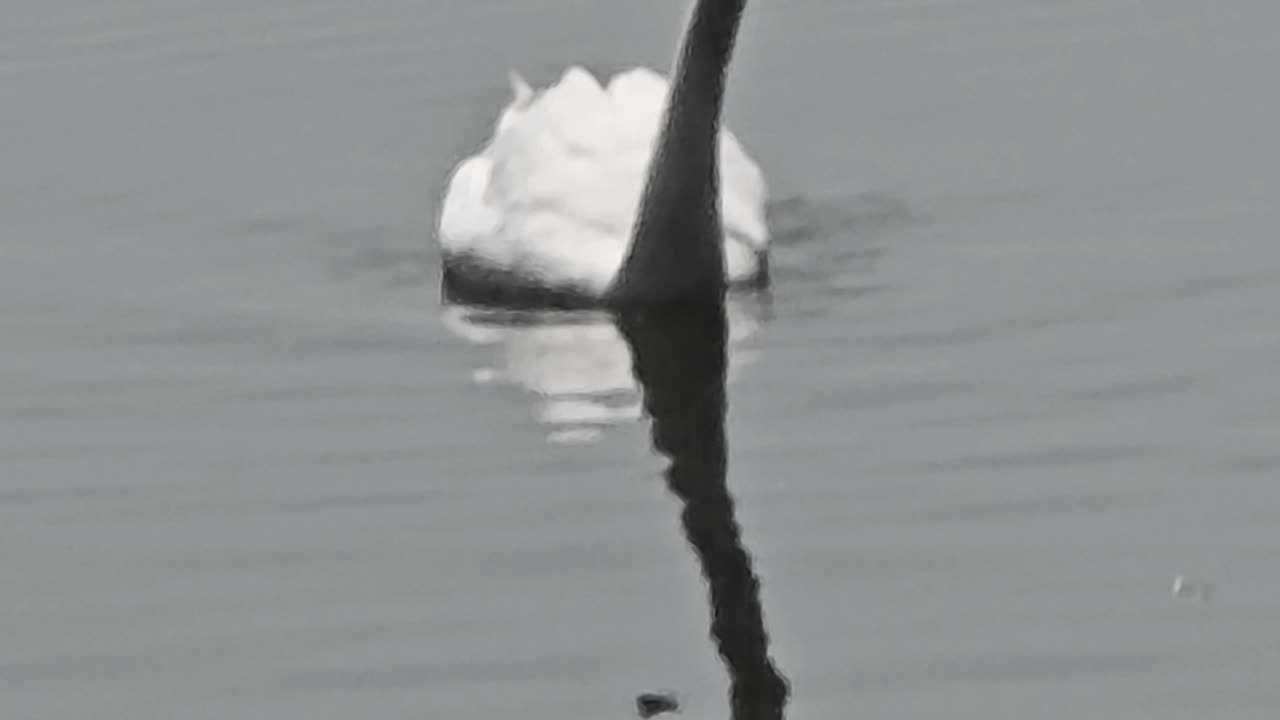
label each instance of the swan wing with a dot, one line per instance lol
(466, 216)
(565, 186)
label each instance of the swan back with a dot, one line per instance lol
(553, 195)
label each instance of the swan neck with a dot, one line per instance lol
(697, 92)
(677, 248)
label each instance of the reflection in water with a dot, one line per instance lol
(575, 363)
(680, 359)
(583, 366)
(578, 367)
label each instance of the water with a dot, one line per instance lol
(1015, 379)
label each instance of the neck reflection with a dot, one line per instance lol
(680, 360)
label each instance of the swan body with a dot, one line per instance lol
(550, 203)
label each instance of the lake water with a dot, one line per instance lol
(1016, 376)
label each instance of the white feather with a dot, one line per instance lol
(552, 196)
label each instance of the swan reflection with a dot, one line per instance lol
(576, 364)
(681, 361)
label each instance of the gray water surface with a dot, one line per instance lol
(1016, 378)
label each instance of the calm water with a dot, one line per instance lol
(1017, 374)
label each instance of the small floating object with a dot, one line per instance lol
(651, 704)
(1185, 588)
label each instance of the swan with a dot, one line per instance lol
(609, 195)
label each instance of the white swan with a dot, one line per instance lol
(630, 192)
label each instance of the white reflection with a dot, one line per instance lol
(576, 364)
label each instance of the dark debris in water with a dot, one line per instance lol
(651, 704)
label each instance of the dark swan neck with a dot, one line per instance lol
(676, 253)
(698, 83)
